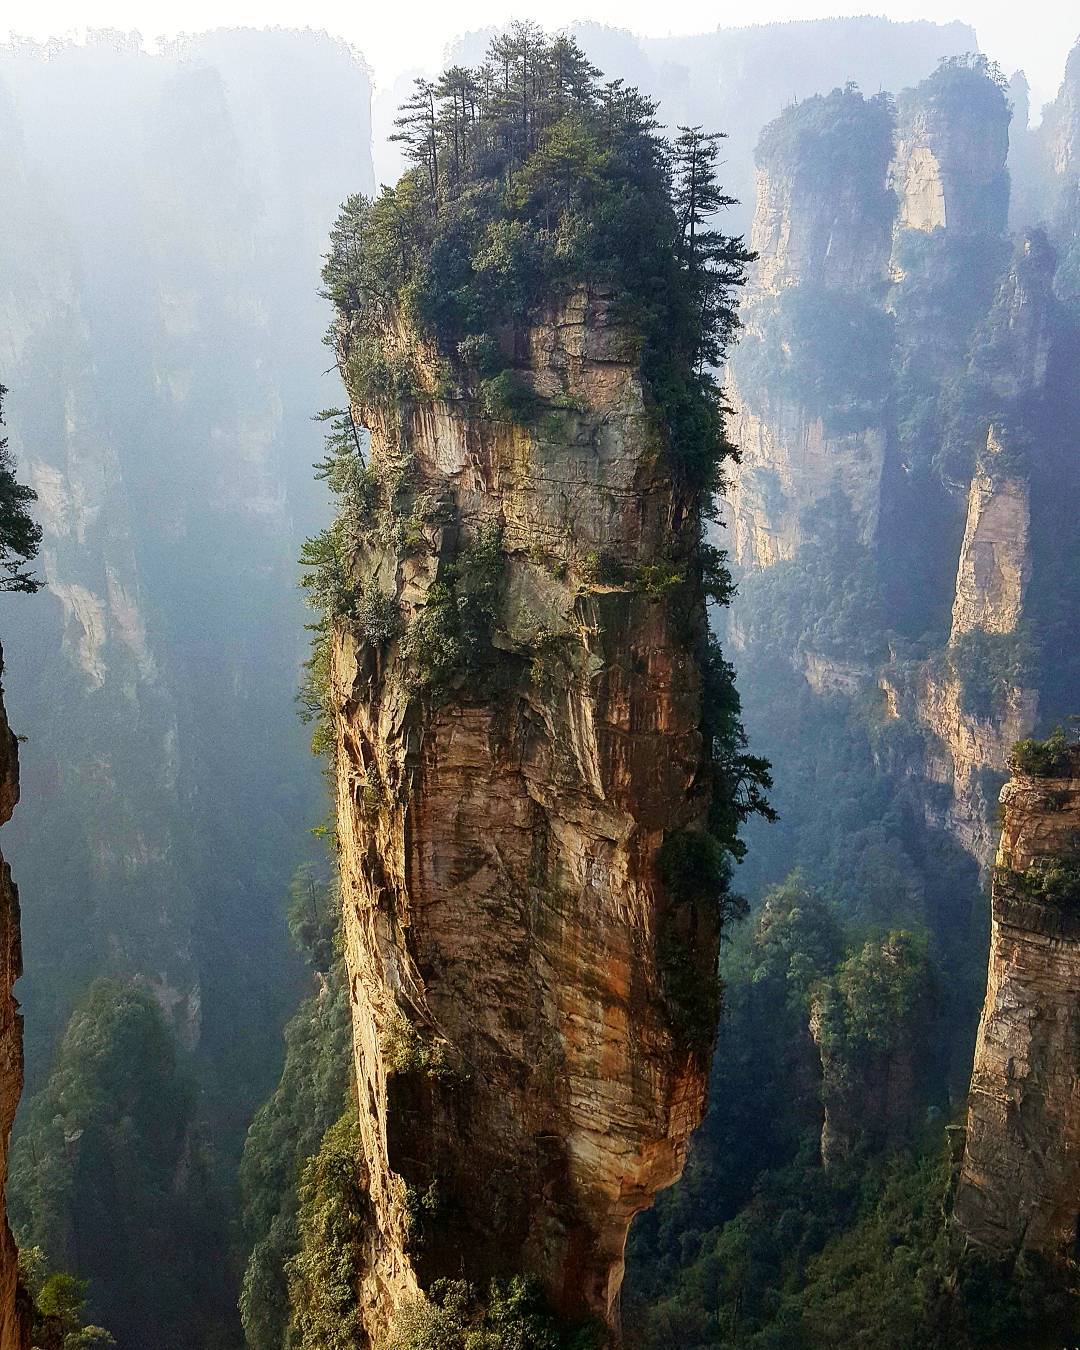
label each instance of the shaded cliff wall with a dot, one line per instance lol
(518, 1059)
(1019, 1186)
(902, 352)
(14, 1313)
(160, 327)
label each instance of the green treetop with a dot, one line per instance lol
(529, 175)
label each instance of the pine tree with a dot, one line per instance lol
(416, 121)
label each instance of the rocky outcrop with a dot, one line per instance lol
(789, 463)
(967, 754)
(995, 560)
(1019, 1187)
(915, 478)
(14, 1319)
(524, 1088)
(969, 749)
(948, 170)
(873, 1047)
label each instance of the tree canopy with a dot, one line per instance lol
(530, 175)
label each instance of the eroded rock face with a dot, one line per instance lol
(522, 1089)
(967, 753)
(839, 238)
(946, 179)
(995, 562)
(14, 1323)
(1019, 1186)
(949, 164)
(789, 463)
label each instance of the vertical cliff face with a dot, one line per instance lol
(822, 229)
(518, 1060)
(14, 1323)
(949, 166)
(1020, 1181)
(903, 366)
(159, 330)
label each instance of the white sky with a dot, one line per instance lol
(397, 35)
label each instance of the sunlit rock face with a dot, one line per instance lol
(859, 384)
(995, 563)
(1019, 1188)
(515, 1059)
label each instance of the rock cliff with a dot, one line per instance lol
(14, 1319)
(525, 1084)
(162, 270)
(859, 375)
(1019, 1187)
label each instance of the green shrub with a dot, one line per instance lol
(989, 667)
(597, 568)
(1053, 881)
(1051, 758)
(449, 640)
(509, 397)
(656, 580)
(512, 1317)
(20, 536)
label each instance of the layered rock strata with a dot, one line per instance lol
(1019, 1187)
(523, 1087)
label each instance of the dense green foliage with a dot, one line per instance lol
(989, 666)
(530, 177)
(20, 535)
(108, 1177)
(512, 1316)
(834, 141)
(1053, 881)
(289, 1127)
(59, 1301)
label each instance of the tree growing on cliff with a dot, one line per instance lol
(20, 535)
(530, 175)
(109, 1176)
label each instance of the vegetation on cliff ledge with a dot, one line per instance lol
(20, 536)
(529, 177)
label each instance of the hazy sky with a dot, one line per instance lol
(396, 35)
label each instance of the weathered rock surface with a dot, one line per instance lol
(516, 1062)
(1019, 1187)
(948, 165)
(995, 562)
(14, 1323)
(966, 753)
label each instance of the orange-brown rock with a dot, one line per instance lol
(523, 1091)
(14, 1327)
(1019, 1187)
